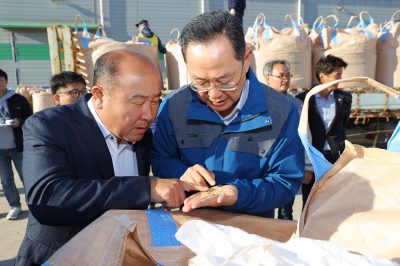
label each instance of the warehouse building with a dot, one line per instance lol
(24, 49)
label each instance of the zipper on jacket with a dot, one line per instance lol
(241, 121)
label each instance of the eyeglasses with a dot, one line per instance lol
(282, 76)
(75, 92)
(222, 86)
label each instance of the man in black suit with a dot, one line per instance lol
(83, 159)
(328, 114)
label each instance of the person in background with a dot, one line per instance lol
(328, 114)
(277, 76)
(236, 8)
(227, 129)
(86, 158)
(14, 110)
(146, 33)
(67, 87)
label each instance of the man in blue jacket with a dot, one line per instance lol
(227, 129)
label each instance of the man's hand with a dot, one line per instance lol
(308, 176)
(198, 175)
(216, 196)
(232, 11)
(16, 123)
(171, 192)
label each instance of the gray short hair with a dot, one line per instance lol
(270, 65)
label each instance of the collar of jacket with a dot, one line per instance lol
(253, 115)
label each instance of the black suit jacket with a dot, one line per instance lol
(69, 178)
(335, 134)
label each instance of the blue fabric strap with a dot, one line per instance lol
(162, 228)
(334, 39)
(85, 36)
(266, 31)
(369, 34)
(320, 164)
(394, 141)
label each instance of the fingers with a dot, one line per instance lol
(207, 175)
(171, 191)
(199, 175)
(216, 196)
(193, 187)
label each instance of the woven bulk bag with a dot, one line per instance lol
(388, 54)
(176, 70)
(89, 47)
(126, 237)
(318, 47)
(82, 52)
(357, 47)
(292, 44)
(42, 100)
(355, 202)
(26, 91)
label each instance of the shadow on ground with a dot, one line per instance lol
(24, 215)
(7, 262)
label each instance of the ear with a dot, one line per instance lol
(267, 78)
(322, 78)
(98, 97)
(247, 58)
(57, 98)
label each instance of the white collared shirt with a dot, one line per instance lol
(123, 156)
(243, 97)
(327, 111)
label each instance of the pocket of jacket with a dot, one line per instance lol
(193, 140)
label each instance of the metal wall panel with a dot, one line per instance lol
(8, 67)
(30, 36)
(34, 72)
(274, 12)
(49, 10)
(4, 36)
(163, 16)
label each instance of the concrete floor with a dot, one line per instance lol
(11, 231)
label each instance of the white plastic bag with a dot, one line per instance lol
(225, 245)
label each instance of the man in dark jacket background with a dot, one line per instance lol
(328, 114)
(14, 109)
(236, 8)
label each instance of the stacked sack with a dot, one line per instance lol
(89, 47)
(388, 53)
(176, 70)
(292, 44)
(369, 50)
(355, 45)
(38, 97)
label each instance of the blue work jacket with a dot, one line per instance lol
(259, 152)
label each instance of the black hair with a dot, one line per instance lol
(210, 26)
(63, 79)
(3, 74)
(327, 65)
